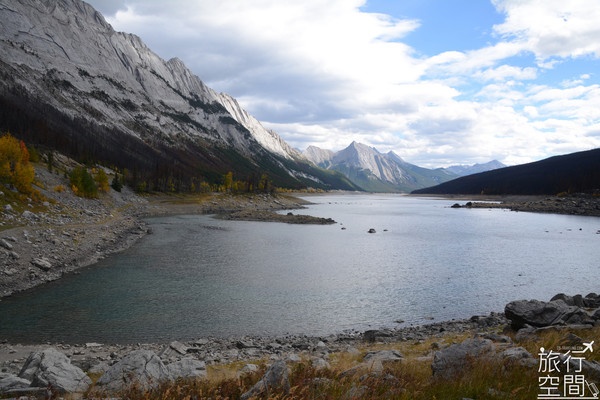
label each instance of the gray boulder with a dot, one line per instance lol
(187, 368)
(383, 356)
(11, 382)
(319, 363)
(455, 359)
(591, 369)
(275, 378)
(540, 313)
(518, 356)
(592, 300)
(140, 366)
(42, 263)
(50, 367)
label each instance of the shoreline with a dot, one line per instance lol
(576, 204)
(224, 350)
(445, 349)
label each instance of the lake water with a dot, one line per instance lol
(199, 276)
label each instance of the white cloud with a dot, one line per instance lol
(324, 72)
(552, 27)
(504, 72)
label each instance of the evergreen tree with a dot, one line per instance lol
(116, 183)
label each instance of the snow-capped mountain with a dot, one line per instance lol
(93, 92)
(375, 171)
(464, 170)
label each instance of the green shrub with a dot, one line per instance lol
(83, 183)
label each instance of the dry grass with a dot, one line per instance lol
(409, 379)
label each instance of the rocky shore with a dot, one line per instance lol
(270, 216)
(41, 243)
(497, 337)
(581, 204)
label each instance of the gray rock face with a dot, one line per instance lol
(11, 382)
(540, 313)
(453, 360)
(141, 366)
(275, 378)
(111, 67)
(187, 368)
(54, 368)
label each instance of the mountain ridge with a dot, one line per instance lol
(104, 95)
(373, 171)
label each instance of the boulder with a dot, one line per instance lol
(140, 366)
(321, 347)
(42, 263)
(518, 356)
(383, 356)
(591, 369)
(540, 313)
(50, 367)
(455, 359)
(5, 244)
(173, 349)
(592, 300)
(373, 335)
(29, 215)
(275, 378)
(11, 382)
(248, 369)
(187, 368)
(293, 358)
(319, 363)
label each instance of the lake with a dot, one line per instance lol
(198, 276)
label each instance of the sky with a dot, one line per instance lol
(438, 82)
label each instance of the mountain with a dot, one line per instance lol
(463, 170)
(374, 171)
(71, 83)
(575, 172)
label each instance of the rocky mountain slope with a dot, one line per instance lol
(377, 172)
(71, 83)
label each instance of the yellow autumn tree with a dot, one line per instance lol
(15, 168)
(102, 181)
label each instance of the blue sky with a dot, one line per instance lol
(439, 82)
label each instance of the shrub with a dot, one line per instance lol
(59, 188)
(116, 183)
(15, 168)
(102, 181)
(83, 183)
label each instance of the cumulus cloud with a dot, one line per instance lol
(327, 73)
(552, 27)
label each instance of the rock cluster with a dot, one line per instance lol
(560, 310)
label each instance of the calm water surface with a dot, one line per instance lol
(199, 276)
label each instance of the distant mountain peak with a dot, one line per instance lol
(463, 169)
(373, 171)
